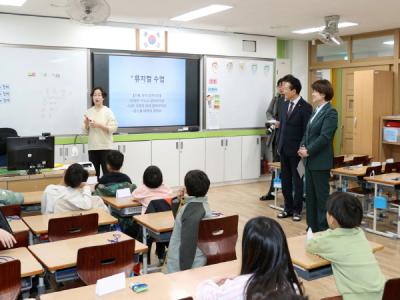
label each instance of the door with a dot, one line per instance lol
(233, 158)
(215, 152)
(192, 156)
(348, 121)
(165, 155)
(251, 157)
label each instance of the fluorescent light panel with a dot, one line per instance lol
(202, 12)
(12, 2)
(389, 43)
(317, 29)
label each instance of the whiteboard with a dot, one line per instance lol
(43, 90)
(238, 92)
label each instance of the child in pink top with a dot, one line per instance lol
(152, 188)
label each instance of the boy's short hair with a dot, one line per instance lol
(197, 183)
(152, 177)
(346, 209)
(75, 175)
(115, 159)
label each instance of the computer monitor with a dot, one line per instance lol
(30, 153)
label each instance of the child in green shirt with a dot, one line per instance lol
(356, 271)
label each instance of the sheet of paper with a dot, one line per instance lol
(300, 168)
(110, 284)
(123, 193)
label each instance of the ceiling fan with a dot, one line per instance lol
(330, 34)
(89, 11)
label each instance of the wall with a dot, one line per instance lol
(28, 30)
(297, 51)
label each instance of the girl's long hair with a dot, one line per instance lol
(265, 255)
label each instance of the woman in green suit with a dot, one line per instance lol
(317, 152)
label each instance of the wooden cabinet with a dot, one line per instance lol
(373, 99)
(251, 157)
(224, 159)
(137, 157)
(71, 153)
(176, 157)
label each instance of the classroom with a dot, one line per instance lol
(199, 149)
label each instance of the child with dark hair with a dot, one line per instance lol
(356, 271)
(152, 188)
(74, 195)
(266, 266)
(183, 252)
(114, 162)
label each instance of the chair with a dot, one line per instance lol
(217, 238)
(10, 283)
(392, 289)
(162, 242)
(97, 262)
(22, 239)
(392, 167)
(11, 210)
(338, 161)
(360, 160)
(71, 227)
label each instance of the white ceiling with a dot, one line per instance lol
(266, 17)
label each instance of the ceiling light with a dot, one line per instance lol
(317, 29)
(12, 2)
(389, 43)
(202, 12)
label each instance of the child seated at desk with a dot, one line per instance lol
(266, 266)
(152, 188)
(356, 271)
(110, 182)
(74, 195)
(183, 252)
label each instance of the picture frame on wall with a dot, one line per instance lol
(151, 40)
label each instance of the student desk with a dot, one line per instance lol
(351, 171)
(60, 255)
(125, 207)
(39, 224)
(160, 287)
(17, 225)
(391, 180)
(310, 266)
(193, 277)
(159, 225)
(30, 267)
(32, 201)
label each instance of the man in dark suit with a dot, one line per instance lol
(317, 151)
(293, 120)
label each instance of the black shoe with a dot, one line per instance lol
(284, 214)
(267, 197)
(296, 217)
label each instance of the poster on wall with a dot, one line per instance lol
(238, 92)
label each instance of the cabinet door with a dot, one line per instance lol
(73, 153)
(233, 158)
(59, 154)
(251, 156)
(137, 159)
(165, 155)
(215, 150)
(192, 156)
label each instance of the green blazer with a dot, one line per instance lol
(318, 139)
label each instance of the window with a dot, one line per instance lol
(332, 53)
(380, 46)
